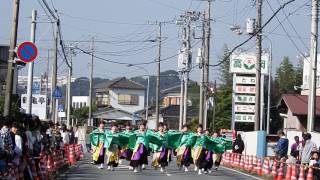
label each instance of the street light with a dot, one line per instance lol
(148, 86)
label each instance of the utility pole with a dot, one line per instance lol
(158, 76)
(188, 58)
(207, 19)
(54, 74)
(30, 65)
(258, 65)
(313, 66)
(269, 88)
(69, 88)
(185, 61)
(181, 101)
(47, 83)
(12, 55)
(90, 123)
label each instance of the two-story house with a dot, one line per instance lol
(119, 99)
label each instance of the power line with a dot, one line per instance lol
(254, 34)
(134, 64)
(294, 29)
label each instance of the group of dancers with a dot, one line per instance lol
(198, 148)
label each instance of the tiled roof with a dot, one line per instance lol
(298, 104)
(119, 83)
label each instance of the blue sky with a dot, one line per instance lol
(121, 26)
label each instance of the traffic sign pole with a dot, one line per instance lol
(30, 65)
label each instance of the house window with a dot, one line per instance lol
(127, 99)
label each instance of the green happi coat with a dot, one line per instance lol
(97, 137)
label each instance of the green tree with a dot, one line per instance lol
(285, 78)
(82, 114)
(223, 95)
(15, 110)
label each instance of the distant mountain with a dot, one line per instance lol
(170, 78)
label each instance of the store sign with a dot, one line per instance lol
(244, 118)
(245, 63)
(39, 105)
(245, 99)
(245, 80)
(244, 108)
(245, 89)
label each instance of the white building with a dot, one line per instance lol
(80, 102)
(119, 99)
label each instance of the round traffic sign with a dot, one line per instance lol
(27, 52)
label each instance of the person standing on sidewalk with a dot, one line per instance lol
(238, 145)
(281, 148)
(307, 149)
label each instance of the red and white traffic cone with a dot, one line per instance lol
(301, 175)
(266, 167)
(310, 174)
(50, 165)
(242, 162)
(72, 160)
(294, 172)
(288, 172)
(81, 152)
(258, 168)
(250, 167)
(223, 158)
(274, 169)
(280, 171)
(255, 160)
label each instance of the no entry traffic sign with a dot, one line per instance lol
(27, 52)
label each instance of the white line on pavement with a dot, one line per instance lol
(254, 177)
(168, 174)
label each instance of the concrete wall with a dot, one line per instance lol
(129, 108)
(250, 140)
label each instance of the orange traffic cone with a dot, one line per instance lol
(274, 169)
(301, 175)
(289, 171)
(280, 171)
(294, 172)
(310, 174)
(266, 167)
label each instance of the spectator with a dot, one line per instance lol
(307, 149)
(18, 142)
(6, 137)
(294, 152)
(315, 163)
(65, 135)
(238, 145)
(76, 134)
(281, 148)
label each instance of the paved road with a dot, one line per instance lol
(85, 170)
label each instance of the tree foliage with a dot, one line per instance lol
(223, 96)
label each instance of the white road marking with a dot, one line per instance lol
(254, 177)
(168, 174)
